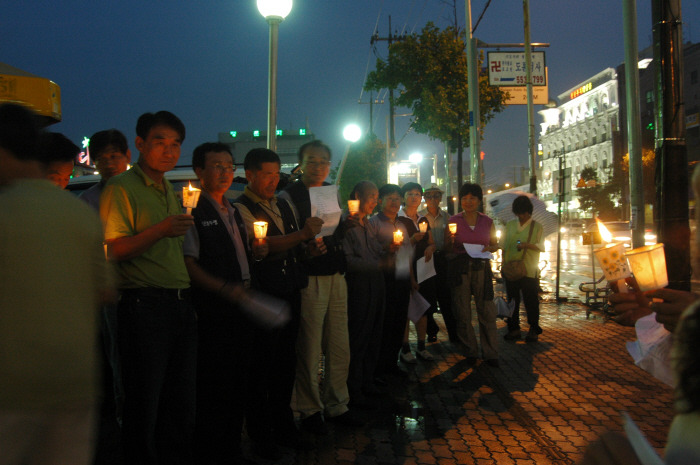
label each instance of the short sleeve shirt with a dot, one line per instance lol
(131, 203)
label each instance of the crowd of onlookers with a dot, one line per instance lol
(207, 327)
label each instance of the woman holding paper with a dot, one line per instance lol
(473, 276)
(523, 241)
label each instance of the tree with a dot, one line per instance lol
(430, 70)
(366, 161)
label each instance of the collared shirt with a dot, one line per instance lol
(520, 232)
(191, 246)
(270, 207)
(132, 202)
(438, 224)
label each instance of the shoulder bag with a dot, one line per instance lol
(515, 269)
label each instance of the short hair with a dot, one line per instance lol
(361, 188)
(199, 156)
(388, 189)
(256, 157)
(19, 132)
(55, 147)
(522, 204)
(148, 121)
(314, 144)
(411, 186)
(102, 140)
(473, 189)
(686, 360)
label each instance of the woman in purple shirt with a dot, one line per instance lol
(475, 277)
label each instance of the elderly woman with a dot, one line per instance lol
(474, 277)
(523, 241)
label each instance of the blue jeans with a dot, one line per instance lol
(158, 348)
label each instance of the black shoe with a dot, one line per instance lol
(315, 424)
(266, 450)
(512, 335)
(348, 418)
(493, 362)
(532, 336)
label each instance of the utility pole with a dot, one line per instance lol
(530, 108)
(474, 119)
(371, 103)
(671, 213)
(391, 143)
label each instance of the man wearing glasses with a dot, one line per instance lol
(438, 219)
(216, 256)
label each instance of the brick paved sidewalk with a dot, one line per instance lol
(544, 404)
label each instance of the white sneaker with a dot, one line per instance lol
(425, 355)
(408, 357)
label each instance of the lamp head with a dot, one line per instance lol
(274, 9)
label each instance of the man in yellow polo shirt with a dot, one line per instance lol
(157, 330)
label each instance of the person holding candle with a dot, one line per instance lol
(269, 416)
(524, 241)
(422, 242)
(439, 294)
(366, 296)
(217, 254)
(383, 227)
(324, 308)
(144, 231)
(474, 276)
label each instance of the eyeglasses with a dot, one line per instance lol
(433, 196)
(224, 168)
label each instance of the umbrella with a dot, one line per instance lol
(501, 207)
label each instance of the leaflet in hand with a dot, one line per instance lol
(477, 251)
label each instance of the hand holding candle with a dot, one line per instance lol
(423, 227)
(453, 228)
(398, 237)
(648, 264)
(612, 260)
(190, 197)
(353, 206)
(260, 230)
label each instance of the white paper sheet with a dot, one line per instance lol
(324, 205)
(477, 251)
(425, 270)
(652, 349)
(417, 306)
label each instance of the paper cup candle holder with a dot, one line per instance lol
(190, 197)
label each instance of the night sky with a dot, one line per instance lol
(207, 62)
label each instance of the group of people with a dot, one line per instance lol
(186, 361)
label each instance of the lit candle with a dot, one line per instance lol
(353, 206)
(648, 264)
(398, 237)
(423, 227)
(453, 228)
(612, 260)
(190, 197)
(260, 229)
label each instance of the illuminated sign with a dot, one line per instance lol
(510, 69)
(256, 133)
(233, 133)
(581, 90)
(278, 132)
(302, 132)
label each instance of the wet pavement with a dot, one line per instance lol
(543, 405)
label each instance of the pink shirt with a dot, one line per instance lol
(481, 234)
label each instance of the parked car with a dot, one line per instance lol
(179, 177)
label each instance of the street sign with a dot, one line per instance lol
(508, 69)
(518, 95)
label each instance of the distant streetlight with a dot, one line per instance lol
(415, 157)
(507, 185)
(274, 11)
(352, 133)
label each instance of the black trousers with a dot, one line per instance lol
(436, 291)
(365, 323)
(158, 348)
(529, 288)
(223, 359)
(271, 376)
(395, 315)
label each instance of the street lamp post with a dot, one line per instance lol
(274, 11)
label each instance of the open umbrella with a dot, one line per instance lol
(500, 206)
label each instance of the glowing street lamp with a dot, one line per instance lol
(274, 11)
(352, 133)
(415, 157)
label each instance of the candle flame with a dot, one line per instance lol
(190, 188)
(604, 233)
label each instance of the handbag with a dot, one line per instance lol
(504, 309)
(515, 269)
